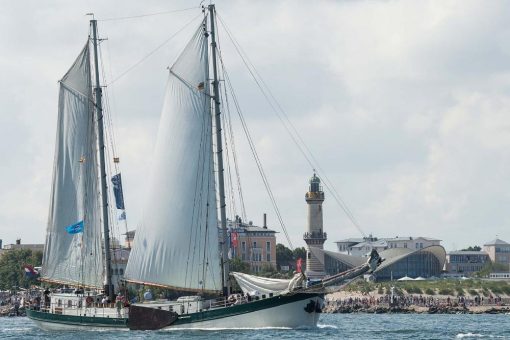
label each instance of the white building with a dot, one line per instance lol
(363, 246)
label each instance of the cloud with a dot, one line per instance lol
(404, 104)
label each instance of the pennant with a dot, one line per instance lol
(117, 191)
(75, 228)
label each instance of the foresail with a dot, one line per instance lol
(177, 242)
(73, 252)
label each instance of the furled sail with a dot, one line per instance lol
(73, 252)
(256, 285)
(177, 243)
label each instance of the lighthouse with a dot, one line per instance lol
(315, 235)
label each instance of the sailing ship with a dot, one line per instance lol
(77, 249)
(179, 244)
(176, 245)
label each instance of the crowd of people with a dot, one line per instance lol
(416, 300)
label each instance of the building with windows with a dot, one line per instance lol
(498, 250)
(252, 244)
(363, 246)
(19, 245)
(399, 262)
(466, 263)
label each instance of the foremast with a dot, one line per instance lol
(219, 159)
(102, 167)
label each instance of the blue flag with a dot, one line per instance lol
(75, 228)
(117, 191)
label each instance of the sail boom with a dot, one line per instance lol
(69, 283)
(183, 289)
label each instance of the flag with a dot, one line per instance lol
(117, 191)
(299, 263)
(233, 239)
(30, 271)
(75, 228)
(122, 216)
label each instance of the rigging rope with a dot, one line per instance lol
(154, 50)
(292, 131)
(148, 14)
(254, 153)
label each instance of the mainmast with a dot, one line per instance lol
(219, 154)
(102, 167)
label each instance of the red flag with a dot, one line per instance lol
(299, 262)
(233, 237)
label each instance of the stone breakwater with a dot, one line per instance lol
(343, 302)
(381, 309)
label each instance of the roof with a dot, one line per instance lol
(351, 240)
(378, 243)
(391, 255)
(397, 238)
(467, 252)
(411, 238)
(496, 242)
(394, 255)
(257, 229)
(349, 260)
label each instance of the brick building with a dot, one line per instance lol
(252, 244)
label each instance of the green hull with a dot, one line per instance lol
(254, 306)
(183, 320)
(77, 320)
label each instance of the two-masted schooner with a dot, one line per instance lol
(178, 244)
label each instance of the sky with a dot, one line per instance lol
(405, 105)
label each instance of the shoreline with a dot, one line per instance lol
(381, 309)
(376, 303)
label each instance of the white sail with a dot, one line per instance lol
(176, 244)
(75, 258)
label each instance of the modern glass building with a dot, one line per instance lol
(424, 263)
(399, 262)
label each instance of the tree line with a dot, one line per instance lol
(12, 273)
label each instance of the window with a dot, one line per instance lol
(243, 251)
(308, 255)
(69, 303)
(268, 251)
(254, 244)
(121, 271)
(405, 245)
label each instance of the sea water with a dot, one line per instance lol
(331, 326)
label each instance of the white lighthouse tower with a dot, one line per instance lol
(315, 235)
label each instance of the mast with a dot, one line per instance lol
(219, 154)
(102, 168)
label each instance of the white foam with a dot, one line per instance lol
(327, 326)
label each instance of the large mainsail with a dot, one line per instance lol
(177, 243)
(75, 257)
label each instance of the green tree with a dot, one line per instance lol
(283, 255)
(472, 248)
(491, 268)
(237, 265)
(12, 274)
(299, 253)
